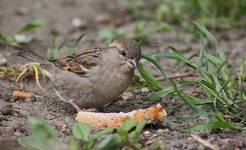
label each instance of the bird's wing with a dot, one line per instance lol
(80, 63)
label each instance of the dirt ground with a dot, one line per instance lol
(58, 16)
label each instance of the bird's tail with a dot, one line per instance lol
(32, 56)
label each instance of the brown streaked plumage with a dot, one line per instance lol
(93, 78)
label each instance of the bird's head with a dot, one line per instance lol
(129, 48)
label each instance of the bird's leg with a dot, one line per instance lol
(75, 106)
(71, 102)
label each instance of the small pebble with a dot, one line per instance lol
(200, 147)
(102, 18)
(138, 96)
(76, 22)
(6, 131)
(56, 124)
(20, 37)
(17, 133)
(121, 103)
(63, 128)
(22, 129)
(147, 133)
(144, 90)
(6, 109)
(3, 61)
(50, 116)
(22, 10)
(127, 96)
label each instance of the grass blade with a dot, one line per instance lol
(30, 26)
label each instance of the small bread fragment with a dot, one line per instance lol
(104, 120)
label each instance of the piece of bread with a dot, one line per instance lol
(103, 120)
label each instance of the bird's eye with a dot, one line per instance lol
(123, 53)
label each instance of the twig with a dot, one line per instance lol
(185, 75)
(204, 142)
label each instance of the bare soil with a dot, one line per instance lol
(58, 16)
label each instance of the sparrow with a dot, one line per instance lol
(92, 78)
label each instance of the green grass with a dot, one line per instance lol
(223, 88)
(43, 137)
(212, 13)
(53, 52)
(19, 37)
(138, 33)
(166, 14)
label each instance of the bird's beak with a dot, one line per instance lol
(132, 62)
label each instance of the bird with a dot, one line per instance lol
(92, 78)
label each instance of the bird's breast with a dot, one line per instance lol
(111, 82)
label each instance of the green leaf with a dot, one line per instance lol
(217, 122)
(201, 58)
(140, 127)
(73, 144)
(160, 93)
(241, 77)
(135, 134)
(149, 78)
(53, 41)
(175, 88)
(63, 43)
(30, 26)
(157, 64)
(161, 54)
(3, 37)
(81, 131)
(176, 55)
(211, 89)
(199, 101)
(140, 39)
(185, 98)
(82, 34)
(137, 82)
(180, 57)
(53, 54)
(102, 133)
(111, 142)
(214, 59)
(42, 128)
(203, 30)
(42, 136)
(126, 127)
(158, 144)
